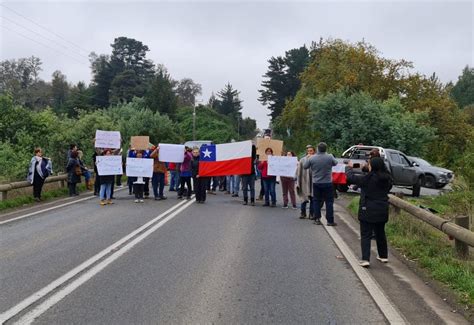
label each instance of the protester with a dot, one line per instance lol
(146, 189)
(373, 207)
(40, 168)
(74, 173)
(288, 186)
(72, 147)
(269, 182)
(96, 173)
(86, 173)
(185, 175)
(233, 184)
(248, 181)
(130, 180)
(304, 186)
(174, 179)
(158, 179)
(200, 182)
(215, 184)
(321, 171)
(106, 182)
(138, 182)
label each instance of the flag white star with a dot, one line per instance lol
(207, 153)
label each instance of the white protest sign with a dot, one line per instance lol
(171, 153)
(109, 165)
(282, 166)
(107, 139)
(139, 167)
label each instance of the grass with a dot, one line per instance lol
(28, 199)
(431, 250)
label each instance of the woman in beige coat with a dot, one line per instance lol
(304, 184)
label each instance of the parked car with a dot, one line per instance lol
(404, 172)
(197, 143)
(435, 177)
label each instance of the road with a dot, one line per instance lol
(175, 262)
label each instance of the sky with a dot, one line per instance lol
(218, 42)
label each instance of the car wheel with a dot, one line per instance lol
(430, 181)
(342, 188)
(417, 188)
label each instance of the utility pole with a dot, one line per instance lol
(194, 123)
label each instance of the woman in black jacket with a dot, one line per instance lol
(373, 207)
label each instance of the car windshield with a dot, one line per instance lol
(421, 162)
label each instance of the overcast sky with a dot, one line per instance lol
(218, 42)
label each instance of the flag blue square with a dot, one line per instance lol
(208, 152)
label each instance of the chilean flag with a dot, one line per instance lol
(226, 159)
(339, 174)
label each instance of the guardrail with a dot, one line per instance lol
(459, 230)
(4, 188)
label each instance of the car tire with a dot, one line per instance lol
(417, 187)
(430, 181)
(343, 188)
(440, 186)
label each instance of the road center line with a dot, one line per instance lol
(69, 275)
(390, 312)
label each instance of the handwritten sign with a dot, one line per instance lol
(282, 166)
(139, 167)
(140, 142)
(107, 139)
(171, 153)
(109, 165)
(263, 144)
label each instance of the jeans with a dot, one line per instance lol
(248, 182)
(72, 189)
(87, 175)
(288, 186)
(231, 184)
(138, 190)
(185, 185)
(366, 231)
(269, 186)
(158, 183)
(323, 192)
(105, 191)
(174, 181)
(311, 206)
(130, 181)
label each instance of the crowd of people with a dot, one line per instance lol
(312, 184)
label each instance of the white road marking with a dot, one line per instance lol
(391, 313)
(52, 208)
(112, 249)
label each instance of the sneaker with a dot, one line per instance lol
(163, 197)
(260, 198)
(136, 201)
(284, 207)
(303, 216)
(331, 224)
(383, 260)
(110, 202)
(141, 201)
(295, 207)
(311, 217)
(37, 199)
(317, 222)
(157, 198)
(102, 202)
(246, 202)
(364, 263)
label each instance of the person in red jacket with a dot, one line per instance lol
(269, 182)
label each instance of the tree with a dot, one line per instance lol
(102, 76)
(283, 79)
(160, 96)
(463, 90)
(187, 90)
(80, 98)
(229, 102)
(60, 92)
(248, 128)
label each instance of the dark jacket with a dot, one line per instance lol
(373, 205)
(71, 170)
(195, 166)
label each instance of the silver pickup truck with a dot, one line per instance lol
(404, 173)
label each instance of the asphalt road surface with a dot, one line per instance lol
(179, 262)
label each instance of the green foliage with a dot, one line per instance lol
(463, 90)
(160, 96)
(229, 103)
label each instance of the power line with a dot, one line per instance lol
(46, 38)
(40, 43)
(44, 28)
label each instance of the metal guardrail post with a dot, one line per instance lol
(462, 249)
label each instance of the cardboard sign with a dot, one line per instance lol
(140, 142)
(109, 165)
(139, 167)
(171, 153)
(262, 144)
(107, 139)
(282, 166)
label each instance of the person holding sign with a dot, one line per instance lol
(185, 175)
(288, 186)
(106, 182)
(269, 182)
(159, 170)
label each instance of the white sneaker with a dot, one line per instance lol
(364, 263)
(141, 201)
(136, 201)
(383, 260)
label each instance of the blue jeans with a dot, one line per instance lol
(269, 187)
(105, 191)
(311, 206)
(248, 182)
(236, 187)
(158, 183)
(87, 175)
(323, 193)
(230, 183)
(174, 180)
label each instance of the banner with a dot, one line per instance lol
(107, 139)
(282, 166)
(262, 144)
(171, 152)
(109, 165)
(139, 167)
(140, 142)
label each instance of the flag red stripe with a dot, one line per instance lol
(339, 178)
(241, 166)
